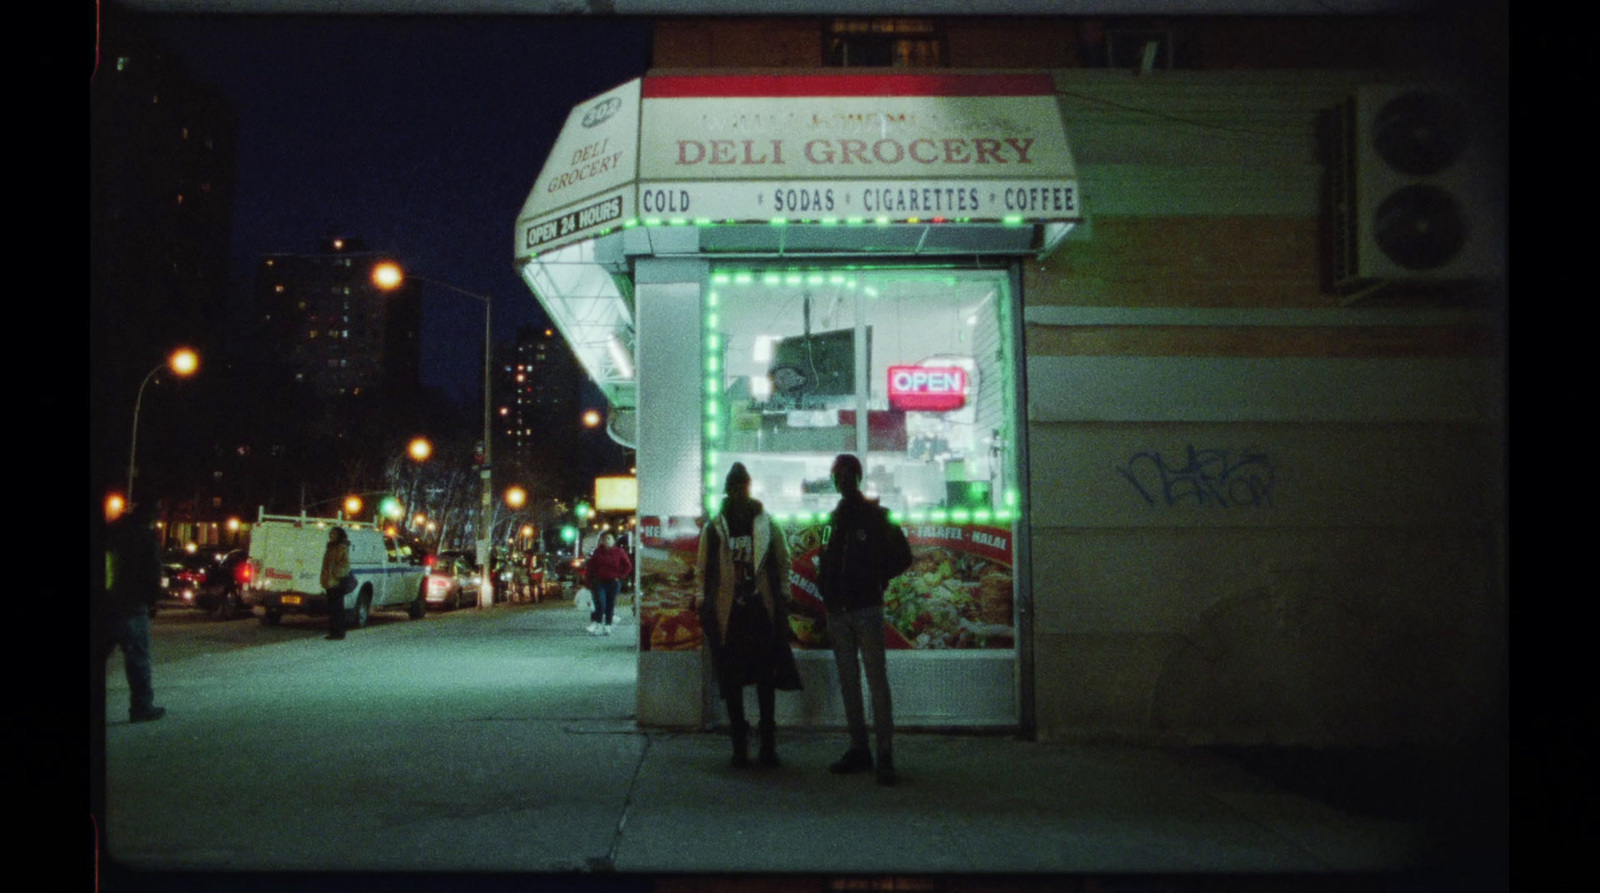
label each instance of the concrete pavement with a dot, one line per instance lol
(500, 744)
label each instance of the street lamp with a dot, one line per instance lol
(420, 449)
(389, 276)
(183, 361)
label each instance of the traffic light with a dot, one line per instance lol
(390, 507)
(569, 534)
(583, 511)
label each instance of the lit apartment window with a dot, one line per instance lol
(122, 63)
(886, 42)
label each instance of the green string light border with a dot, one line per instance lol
(712, 339)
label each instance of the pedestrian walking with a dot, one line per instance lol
(863, 551)
(337, 580)
(133, 586)
(603, 574)
(743, 568)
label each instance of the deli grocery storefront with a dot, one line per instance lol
(776, 269)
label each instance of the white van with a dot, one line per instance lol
(286, 558)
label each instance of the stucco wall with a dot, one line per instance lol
(1257, 516)
(1282, 547)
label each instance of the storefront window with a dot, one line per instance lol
(911, 371)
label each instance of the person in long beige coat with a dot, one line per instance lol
(743, 568)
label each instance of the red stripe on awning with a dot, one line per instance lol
(776, 85)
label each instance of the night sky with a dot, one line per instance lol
(421, 135)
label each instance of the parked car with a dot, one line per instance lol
(453, 581)
(566, 568)
(181, 576)
(223, 583)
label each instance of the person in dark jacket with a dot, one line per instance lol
(743, 569)
(863, 552)
(133, 586)
(603, 574)
(336, 579)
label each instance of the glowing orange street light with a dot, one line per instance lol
(183, 362)
(387, 275)
(115, 506)
(420, 449)
(352, 505)
(516, 497)
(591, 418)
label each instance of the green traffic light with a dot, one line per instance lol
(569, 534)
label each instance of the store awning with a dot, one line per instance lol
(786, 165)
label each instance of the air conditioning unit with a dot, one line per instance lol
(1418, 191)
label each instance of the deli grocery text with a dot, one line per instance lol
(958, 150)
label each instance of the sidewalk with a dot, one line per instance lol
(502, 741)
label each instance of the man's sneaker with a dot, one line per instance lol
(150, 715)
(594, 629)
(886, 774)
(856, 759)
(605, 630)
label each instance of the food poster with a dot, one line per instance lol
(957, 593)
(667, 585)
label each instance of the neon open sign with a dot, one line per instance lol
(926, 389)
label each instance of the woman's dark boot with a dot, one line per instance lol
(741, 744)
(769, 745)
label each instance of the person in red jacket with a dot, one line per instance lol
(603, 574)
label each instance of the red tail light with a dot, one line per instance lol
(430, 561)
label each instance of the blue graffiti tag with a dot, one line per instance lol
(1209, 477)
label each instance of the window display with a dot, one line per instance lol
(907, 368)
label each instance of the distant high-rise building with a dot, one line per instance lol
(162, 150)
(536, 399)
(161, 174)
(331, 328)
(538, 387)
